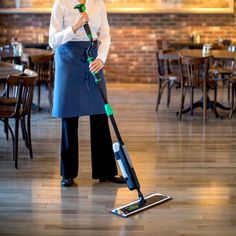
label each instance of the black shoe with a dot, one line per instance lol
(114, 179)
(66, 182)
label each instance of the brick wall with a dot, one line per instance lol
(132, 54)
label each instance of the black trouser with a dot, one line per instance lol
(103, 160)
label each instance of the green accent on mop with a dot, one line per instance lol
(121, 152)
(82, 8)
(108, 109)
(90, 60)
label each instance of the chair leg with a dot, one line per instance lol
(215, 97)
(29, 135)
(229, 92)
(15, 143)
(39, 94)
(232, 100)
(183, 91)
(192, 95)
(24, 131)
(170, 86)
(50, 96)
(168, 93)
(204, 105)
(160, 91)
(159, 95)
(6, 127)
(22, 122)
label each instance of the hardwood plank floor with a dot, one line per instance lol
(193, 163)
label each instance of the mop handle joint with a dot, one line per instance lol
(95, 74)
(80, 7)
(108, 109)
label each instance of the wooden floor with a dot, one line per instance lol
(193, 163)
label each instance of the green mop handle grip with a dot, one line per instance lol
(90, 59)
(82, 8)
(96, 76)
(97, 79)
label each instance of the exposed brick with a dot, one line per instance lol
(132, 53)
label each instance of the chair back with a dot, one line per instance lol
(43, 66)
(234, 67)
(163, 64)
(20, 88)
(193, 71)
(162, 44)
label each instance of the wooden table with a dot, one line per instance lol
(9, 54)
(217, 54)
(196, 53)
(191, 45)
(8, 69)
(27, 52)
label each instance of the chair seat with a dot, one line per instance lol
(7, 111)
(220, 71)
(233, 78)
(7, 101)
(6, 114)
(172, 77)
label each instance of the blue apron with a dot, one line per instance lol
(75, 90)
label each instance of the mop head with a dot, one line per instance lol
(134, 207)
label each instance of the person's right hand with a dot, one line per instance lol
(80, 21)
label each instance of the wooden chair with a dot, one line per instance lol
(233, 88)
(43, 66)
(166, 78)
(222, 71)
(17, 105)
(162, 44)
(194, 75)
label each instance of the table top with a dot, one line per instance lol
(27, 52)
(8, 69)
(9, 53)
(193, 45)
(217, 54)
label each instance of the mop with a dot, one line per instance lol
(120, 150)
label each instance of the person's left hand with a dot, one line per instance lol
(96, 65)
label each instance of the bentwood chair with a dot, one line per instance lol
(43, 65)
(222, 71)
(17, 105)
(166, 78)
(194, 75)
(233, 88)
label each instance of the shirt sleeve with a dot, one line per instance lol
(104, 37)
(57, 34)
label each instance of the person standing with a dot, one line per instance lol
(75, 92)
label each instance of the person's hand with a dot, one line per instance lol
(96, 65)
(80, 21)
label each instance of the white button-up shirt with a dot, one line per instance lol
(64, 15)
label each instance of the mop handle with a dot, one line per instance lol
(108, 108)
(82, 8)
(90, 59)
